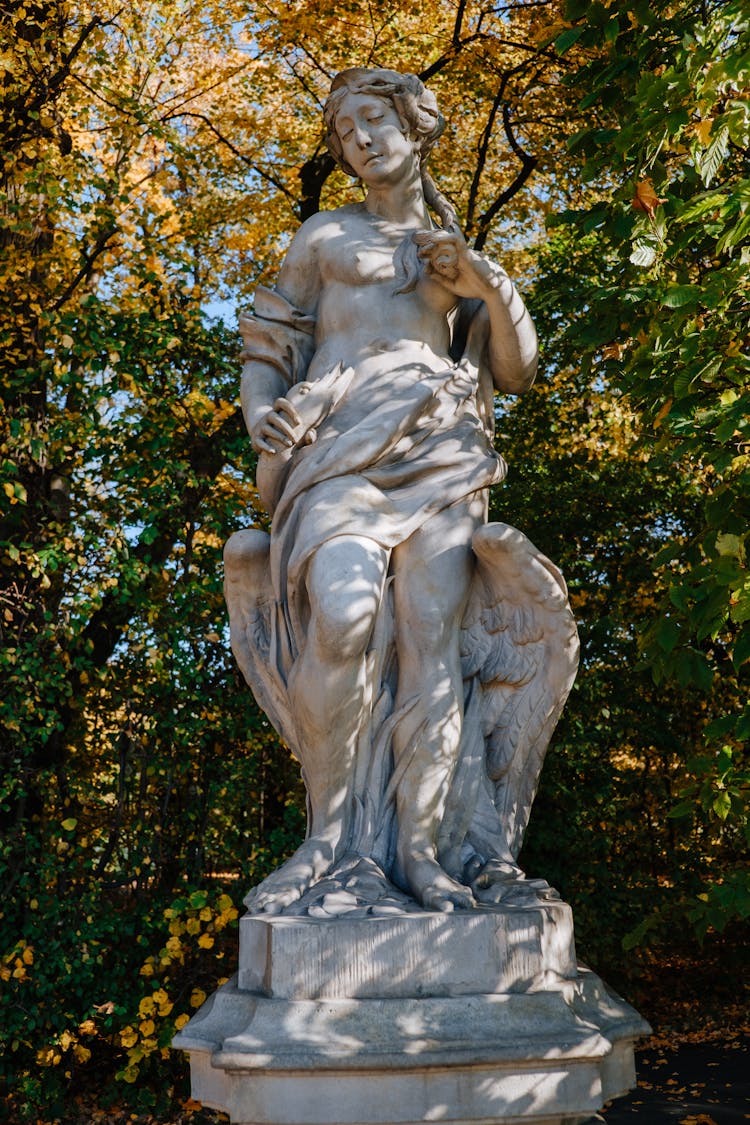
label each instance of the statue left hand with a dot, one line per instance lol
(462, 271)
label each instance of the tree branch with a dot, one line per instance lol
(313, 175)
(89, 258)
(528, 164)
(233, 149)
(448, 56)
(456, 37)
(484, 144)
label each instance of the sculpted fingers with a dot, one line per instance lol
(440, 249)
(464, 271)
(260, 445)
(284, 406)
(276, 432)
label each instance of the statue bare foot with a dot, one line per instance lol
(433, 887)
(311, 861)
(501, 881)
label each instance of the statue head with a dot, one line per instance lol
(417, 109)
(415, 105)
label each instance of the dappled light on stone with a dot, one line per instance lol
(400, 967)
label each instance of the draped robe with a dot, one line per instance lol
(389, 451)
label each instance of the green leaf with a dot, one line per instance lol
(727, 544)
(709, 162)
(741, 647)
(568, 38)
(69, 824)
(644, 252)
(740, 608)
(701, 205)
(683, 809)
(678, 295)
(668, 633)
(734, 235)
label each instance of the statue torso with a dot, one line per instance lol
(362, 321)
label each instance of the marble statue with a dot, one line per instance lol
(399, 968)
(414, 658)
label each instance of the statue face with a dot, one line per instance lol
(373, 140)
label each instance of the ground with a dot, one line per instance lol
(697, 1084)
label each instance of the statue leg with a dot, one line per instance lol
(433, 573)
(345, 580)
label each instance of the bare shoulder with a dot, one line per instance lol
(321, 227)
(299, 278)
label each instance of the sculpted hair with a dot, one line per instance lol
(417, 109)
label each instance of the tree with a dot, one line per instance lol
(666, 159)
(155, 157)
(158, 157)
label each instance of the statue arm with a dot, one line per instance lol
(512, 350)
(279, 343)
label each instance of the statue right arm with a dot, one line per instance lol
(279, 342)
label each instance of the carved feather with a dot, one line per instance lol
(520, 643)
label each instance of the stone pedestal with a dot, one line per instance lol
(471, 1018)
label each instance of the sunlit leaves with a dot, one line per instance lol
(677, 153)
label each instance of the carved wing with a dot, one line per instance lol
(252, 625)
(519, 649)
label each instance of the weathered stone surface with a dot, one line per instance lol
(399, 968)
(553, 1055)
(413, 657)
(433, 954)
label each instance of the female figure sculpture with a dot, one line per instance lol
(414, 658)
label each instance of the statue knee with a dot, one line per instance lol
(246, 572)
(342, 626)
(245, 549)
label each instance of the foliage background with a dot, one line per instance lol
(155, 159)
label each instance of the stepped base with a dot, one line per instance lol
(536, 1044)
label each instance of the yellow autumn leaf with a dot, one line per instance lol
(645, 198)
(663, 411)
(128, 1036)
(701, 129)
